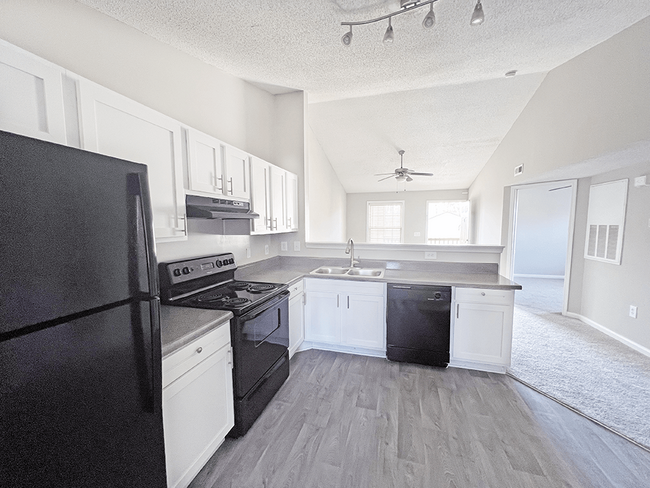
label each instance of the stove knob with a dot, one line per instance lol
(219, 263)
(186, 270)
(177, 272)
(232, 260)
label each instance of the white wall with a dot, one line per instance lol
(542, 230)
(326, 198)
(125, 60)
(415, 211)
(589, 116)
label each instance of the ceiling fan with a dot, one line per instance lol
(402, 173)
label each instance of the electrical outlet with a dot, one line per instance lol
(633, 311)
(266, 249)
(296, 246)
(283, 246)
(248, 253)
(416, 234)
(431, 255)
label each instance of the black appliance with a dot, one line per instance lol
(418, 323)
(259, 330)
(80, 352)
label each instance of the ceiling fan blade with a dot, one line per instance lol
(421, 174)
(384, 174)
(386, 177)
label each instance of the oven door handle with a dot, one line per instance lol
(265, 306)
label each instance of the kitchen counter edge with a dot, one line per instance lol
(179, 326)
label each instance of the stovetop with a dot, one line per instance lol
(235, 296)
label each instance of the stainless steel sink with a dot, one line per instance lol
(375, 273)
(331, 270)
(352, 272)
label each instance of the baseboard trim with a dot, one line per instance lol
(614, 335)
(360, 351)
(545, 277)
(573, 409)
(489, 368)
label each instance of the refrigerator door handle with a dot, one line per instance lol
(156, 357)
(147, 227)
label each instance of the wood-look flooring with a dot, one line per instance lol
(352, 421)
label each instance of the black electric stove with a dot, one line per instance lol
(259, 331)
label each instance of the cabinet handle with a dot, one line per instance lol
(275, 224)
(348, 301)
(199, 350)
(402, 287)
(457, 309)
(337, 301)
(304, 299)
(230, 183)
(219, 178)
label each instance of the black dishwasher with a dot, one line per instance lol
(417, 324)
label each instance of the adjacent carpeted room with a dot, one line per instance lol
(577, 364)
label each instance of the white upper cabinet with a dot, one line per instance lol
(292, 202)
(261, 195)
(31, 95)
(205, 163)
(237, 173)
(278, 201)
(118, 126)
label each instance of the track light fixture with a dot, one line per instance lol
(406, 6)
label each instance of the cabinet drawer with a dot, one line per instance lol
(180, 362)
(296, 288)
(484, 295)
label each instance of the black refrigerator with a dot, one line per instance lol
(80, 352)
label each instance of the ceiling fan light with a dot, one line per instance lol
(389, 36)
(477, 15)
(429, 19)
(400, 177)
(347, 38)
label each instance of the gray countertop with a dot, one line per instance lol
(181, 325)
(471, 275)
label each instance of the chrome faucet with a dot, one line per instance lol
(349, 249)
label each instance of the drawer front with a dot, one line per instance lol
(484, 295)
(296, 289)
(346, 286)
(180, 362)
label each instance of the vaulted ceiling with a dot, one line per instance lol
(440, 94)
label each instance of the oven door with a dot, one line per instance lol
(259, 338)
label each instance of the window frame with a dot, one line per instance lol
(469, 216)
(371, 203)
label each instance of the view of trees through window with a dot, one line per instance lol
(447, 222)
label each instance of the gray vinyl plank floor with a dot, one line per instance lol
(352, 421)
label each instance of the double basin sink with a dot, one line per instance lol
(353, 272)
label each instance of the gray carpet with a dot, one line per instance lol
(578, 364)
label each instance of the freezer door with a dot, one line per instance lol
(80, 402)
(76, 232)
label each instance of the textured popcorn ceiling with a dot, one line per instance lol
(440, 94)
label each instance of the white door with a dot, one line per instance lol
(237, 169)
(198, 412)
(205, 169)
(31, 95)
(261, 195)
(323, 317)
(364, 321)
(118, 126)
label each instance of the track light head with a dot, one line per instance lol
(429, 19)
(389, 36)
(347, 38)
(477, 15)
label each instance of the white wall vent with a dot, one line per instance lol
(606, 221)
(519, 169)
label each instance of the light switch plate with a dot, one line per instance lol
(431, 255)
(283, 246)
(416, 234)
(266, 249)
(633, 311)
(248, 253)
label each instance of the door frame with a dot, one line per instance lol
(512, 231)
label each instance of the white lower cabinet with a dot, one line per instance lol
(345, 315)
(482, 329)
(197, 404)
(296, 317)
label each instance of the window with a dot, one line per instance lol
(385, 222)
(447, 222)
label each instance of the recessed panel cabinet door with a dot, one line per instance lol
(292, 201)
(261, 195)
(31, 95)
(364, 321)
(237, 169)
(323, 317)
(483, 333)
(278, 191)
(118, 126)
(205, 163)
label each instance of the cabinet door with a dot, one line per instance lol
(197, 414)
(118, 126)
(237, 169)
(261, 195)
(278, 190)
(364, 321)
(292, 201)
(31, 95)
(205, 169)
(296, 323)
(483, 333)
(323, 317)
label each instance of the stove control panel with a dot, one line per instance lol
(190, 269)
